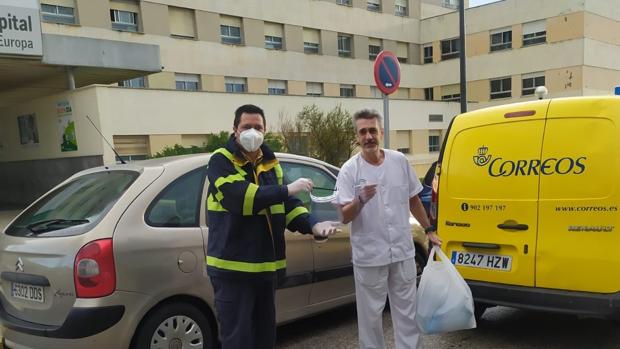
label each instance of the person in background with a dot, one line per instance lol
(377, 191)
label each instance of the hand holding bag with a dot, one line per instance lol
(444, 300)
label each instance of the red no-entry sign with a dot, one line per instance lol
(387, 72)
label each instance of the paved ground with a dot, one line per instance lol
(338, 329)
(501, 327)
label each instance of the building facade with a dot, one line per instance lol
(513, 46)
(282, 55)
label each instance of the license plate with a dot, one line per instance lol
(28, 292)
(481, 260)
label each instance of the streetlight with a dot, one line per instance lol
(541, 92)
(462, 56)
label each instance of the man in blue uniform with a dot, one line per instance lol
(249, 208)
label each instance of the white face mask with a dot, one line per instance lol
(250, 140)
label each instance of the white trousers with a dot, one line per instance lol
(372, 285)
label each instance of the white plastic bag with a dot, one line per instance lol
(444, 301)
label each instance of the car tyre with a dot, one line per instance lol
(420, 263)
(479, 309)
(175, 325)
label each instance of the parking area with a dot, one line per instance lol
(501, 327)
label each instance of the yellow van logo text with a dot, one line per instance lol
(499, 167)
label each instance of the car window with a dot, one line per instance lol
(75, 207)
(324, 184)
(333, 170)
(178, 205)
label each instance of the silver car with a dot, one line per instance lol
(113, 257)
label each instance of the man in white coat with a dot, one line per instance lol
(377, 190)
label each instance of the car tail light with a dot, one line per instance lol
(434, 197)
(93, 271)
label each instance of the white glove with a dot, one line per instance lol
(300, 185)
(326, 228)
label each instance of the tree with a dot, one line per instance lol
(274, 141)
(178, 149)
(330, 137)
(216, 141)
(295, 140)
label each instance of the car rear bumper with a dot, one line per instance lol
(80, 323)
(118, 335)
(558, 301)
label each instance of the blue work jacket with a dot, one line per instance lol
(248, 211)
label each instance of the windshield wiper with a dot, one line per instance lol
(56, 223)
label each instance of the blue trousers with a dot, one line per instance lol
(246, 312)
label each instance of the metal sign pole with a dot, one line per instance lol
(386, 115)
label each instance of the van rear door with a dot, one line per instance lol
(488, 192)
(578, 240)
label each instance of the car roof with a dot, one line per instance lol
(192, 160)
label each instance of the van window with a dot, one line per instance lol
(178, 205)
(75, 207)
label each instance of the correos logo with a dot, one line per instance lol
(499, 167)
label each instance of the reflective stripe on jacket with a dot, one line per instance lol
(248, 210)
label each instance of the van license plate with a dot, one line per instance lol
(481, 260)
(28, 292)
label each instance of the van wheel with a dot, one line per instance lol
(175, 325)
(479, 309)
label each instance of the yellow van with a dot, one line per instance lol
(527, 204)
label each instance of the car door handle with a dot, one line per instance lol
(517, 226)
(481, 245)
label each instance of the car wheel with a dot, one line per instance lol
(175, 325)
(420, 263)
(479, 309)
